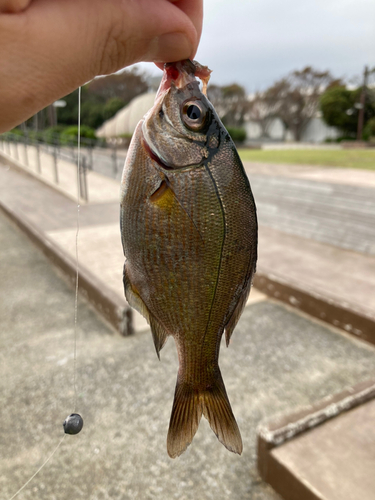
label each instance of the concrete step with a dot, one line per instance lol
(325, 451)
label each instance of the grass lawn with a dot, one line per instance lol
(349, 158)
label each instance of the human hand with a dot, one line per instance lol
(48, 48)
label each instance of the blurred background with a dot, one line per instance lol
(294, 84)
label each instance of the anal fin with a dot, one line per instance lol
(133, 297)
(159, 334)
(233, 320)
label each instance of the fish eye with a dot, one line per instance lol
(194, 115)
(193, 112)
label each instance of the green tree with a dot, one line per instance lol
(69, 114)
(112, 106)
(369, 130)
(72, 133)
(125, 85)
(92, 113)
(100, 99)
(339, 107)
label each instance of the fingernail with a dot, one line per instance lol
(170, 47)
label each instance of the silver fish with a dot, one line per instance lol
(189, 233)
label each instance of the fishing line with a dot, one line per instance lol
(40, 468)
(76, 244)
(73, 423)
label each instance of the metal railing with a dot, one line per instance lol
(29, 148)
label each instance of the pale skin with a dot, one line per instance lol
(48, 48)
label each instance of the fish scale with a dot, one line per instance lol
(189, 233)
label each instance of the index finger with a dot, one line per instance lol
(193, 9)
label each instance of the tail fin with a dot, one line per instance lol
(188, 406)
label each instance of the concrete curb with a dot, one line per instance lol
(282, 429)
(105, 301)
(353, 321)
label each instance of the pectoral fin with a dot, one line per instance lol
(165, 198)
(159, 334)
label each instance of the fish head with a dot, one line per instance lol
(182, 129)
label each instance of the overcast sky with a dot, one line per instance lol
(256, 42)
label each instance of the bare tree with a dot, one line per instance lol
(295, 99)
(230, 102)
(261, 112)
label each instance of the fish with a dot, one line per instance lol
(189, 235)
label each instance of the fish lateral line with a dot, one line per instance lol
(221, 249)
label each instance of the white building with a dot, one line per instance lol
(125, 121)
(316, 131)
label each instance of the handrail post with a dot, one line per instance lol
(85, 194)
(38, 157)
(14, 139)
(91, 155)
(25, 141)
(55, 163)
(114, 159)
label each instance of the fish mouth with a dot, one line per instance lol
(181, 73)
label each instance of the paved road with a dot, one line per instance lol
(277, 360)
(338, 214)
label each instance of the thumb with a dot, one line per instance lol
(51, 48)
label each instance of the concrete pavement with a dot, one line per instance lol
(278, 360)
(284, 359)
